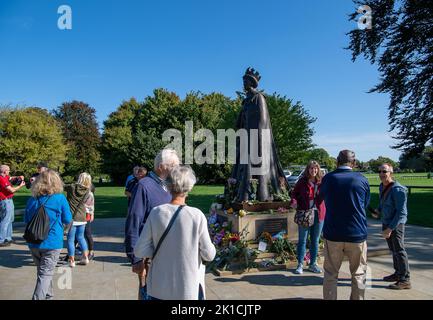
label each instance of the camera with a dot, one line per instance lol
(16, 181)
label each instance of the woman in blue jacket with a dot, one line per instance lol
(47, 190)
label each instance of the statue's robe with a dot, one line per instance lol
(255, 115)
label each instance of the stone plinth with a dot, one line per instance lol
(256, 223)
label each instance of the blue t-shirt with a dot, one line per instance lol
(59, 213)
(346, 194)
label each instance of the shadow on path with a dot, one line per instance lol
(12, 258)
(277, 280)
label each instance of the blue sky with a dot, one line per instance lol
(121, 49)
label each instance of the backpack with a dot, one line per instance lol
(38, 227)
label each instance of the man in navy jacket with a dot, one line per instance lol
(149, 193)
(346, 194)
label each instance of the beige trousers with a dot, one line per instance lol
(334, 253)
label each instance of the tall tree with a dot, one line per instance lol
(80, 129)
(374, 164)
(401, 42)
(133, 134)
(419, 163)
(428, 158)
(28, 136)
(322, 156)
(291, 127)
(118, 160)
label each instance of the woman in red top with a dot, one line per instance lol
(304, 197)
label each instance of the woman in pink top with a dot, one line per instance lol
(304, 197)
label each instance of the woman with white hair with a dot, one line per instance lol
(47, 190)
(77, 195)
(176, 271)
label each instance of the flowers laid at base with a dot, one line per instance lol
(234, 253)
(229, 198)
(232, 250)
(279, 244)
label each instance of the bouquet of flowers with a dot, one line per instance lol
(231, 248)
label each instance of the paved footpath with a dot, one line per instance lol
(109, 275)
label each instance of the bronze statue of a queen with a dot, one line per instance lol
(257, 173)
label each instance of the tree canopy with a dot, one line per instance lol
(291, 126)
(80, 129)
(28, 136)
(117, 160)
(401, 43)
(133, 134)
(374, 164)
(322, 157)
(419, 163)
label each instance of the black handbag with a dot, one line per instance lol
(305, 218)
(38, 228)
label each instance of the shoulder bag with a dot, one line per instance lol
(305, 218)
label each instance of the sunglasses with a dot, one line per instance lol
(383, 171)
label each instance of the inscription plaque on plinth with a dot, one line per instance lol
(256, 223)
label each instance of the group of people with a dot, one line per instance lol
(339, 200)
(168, 243)
(73, 212)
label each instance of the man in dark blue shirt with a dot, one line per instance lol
(346, 194)
(150, 192)
(139, 174)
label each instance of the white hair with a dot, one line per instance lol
(181, 180)
(167, 158)
(3, 168)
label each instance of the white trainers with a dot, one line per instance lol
(299, 269)
(314, 268)
(71, 263)
(84, 261)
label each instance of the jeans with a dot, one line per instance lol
(76, 232)
(45, 261)
(7, 215)
(399, 254)
(315, 230)
(142, 294)
(88, 236)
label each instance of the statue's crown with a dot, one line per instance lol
(252, 73)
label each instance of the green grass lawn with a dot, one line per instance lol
(407, 179)
(110, 201)
(420, 201)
